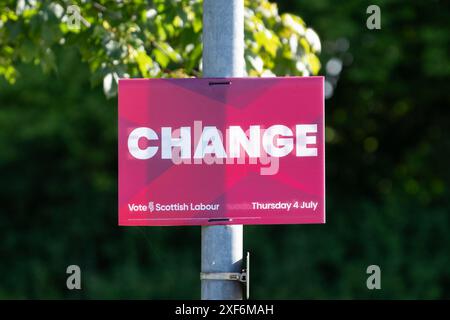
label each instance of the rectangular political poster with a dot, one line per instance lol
(221, 151)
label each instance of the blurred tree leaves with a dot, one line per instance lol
(388, 194)
(136, 38)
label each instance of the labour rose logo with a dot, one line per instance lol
(151, 206)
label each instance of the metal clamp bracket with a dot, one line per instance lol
(243, 277)
(233, 276)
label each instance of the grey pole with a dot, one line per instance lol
(223, 56)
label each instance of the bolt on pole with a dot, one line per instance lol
(223, 56)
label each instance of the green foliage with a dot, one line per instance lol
(136, 38)
(387, 148)
(387, 168)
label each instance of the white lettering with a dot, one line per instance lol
(284, 145)
(168, 142)
(239, 139)
(210, 143)
(133, 143)
(277, 141)
(303, 140)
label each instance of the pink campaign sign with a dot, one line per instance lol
(221, 151)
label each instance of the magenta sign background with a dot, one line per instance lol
(278, 190)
